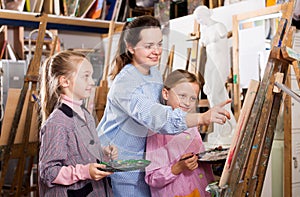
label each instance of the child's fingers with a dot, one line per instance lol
(224, 103)
(186, 156)
(101, 169)
(221, 113)
(114, 150)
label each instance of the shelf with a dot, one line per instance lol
(29, 19)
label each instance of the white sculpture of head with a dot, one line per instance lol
(202, 15)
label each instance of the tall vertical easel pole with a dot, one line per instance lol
(287, 154)
(188, 57)
(102, 89)
(195, 36)
(30, 85)
(235, 70)
(169, 65)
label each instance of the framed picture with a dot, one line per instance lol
(70, 7)
(13, 4)
(83, 7)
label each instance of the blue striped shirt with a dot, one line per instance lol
(132, 109)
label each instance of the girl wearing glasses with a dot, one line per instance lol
(174, 168)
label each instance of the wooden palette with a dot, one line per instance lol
(214, 156)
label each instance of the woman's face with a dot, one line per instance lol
(183, 95)
(147, 51)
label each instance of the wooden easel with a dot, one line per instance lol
(169, 66)
(25, 148)
(235, 51)
(194, 37)
(252, 155)
(188, 57)
(102, 90)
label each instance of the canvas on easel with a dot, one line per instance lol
(239, 132)
(10, 109)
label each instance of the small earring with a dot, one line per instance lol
(165, 101)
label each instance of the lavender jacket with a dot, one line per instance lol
(66, 139)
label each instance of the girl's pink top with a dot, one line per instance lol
(164, 151)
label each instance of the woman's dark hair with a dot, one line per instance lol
(131, 35)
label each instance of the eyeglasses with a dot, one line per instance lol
(150, 46)
(153, 46)
(184, 97)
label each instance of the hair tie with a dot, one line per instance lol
(130, 19)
